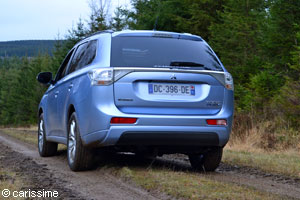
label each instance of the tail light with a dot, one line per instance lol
(220, 122)
(123, 120)
(101, 76)
(228, 81)
(106, 76)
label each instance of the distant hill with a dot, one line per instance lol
(29, 48)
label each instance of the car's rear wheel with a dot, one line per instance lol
(208, 161)
(79, 157)
(45, 148)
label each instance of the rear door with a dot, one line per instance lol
(52, 111)
(83, 56)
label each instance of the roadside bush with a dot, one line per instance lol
(287, 104)
(264, 86)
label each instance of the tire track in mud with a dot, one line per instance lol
(36, 177)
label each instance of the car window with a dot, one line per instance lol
(77, 57)
(83, 56)
(90, 52)
(62, 70)
(162, 52)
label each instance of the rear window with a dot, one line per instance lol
(162, 52)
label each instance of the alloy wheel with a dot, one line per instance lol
(72, 142)
(41, 134)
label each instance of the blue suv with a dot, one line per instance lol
(146, 92)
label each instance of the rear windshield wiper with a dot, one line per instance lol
(185, 64)
(188, 65)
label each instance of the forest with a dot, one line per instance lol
(258, 41)
(28, 48)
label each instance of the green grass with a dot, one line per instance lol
(285, 163)
(188, 185)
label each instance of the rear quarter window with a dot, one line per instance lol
(84, 55)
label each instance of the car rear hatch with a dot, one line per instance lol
(154, 91)
(166, 74)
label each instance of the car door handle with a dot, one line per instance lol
(56, 94)
(70, 87)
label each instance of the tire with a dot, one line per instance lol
(79, 157)
(45, 148)
(208, 161)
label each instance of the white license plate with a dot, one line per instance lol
(171, 89)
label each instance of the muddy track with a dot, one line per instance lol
(53, 173)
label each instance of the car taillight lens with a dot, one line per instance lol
(228, 81)
(106, 76)
(221, 122)
(123, 120)
(101, 76)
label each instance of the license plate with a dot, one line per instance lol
(171, 89)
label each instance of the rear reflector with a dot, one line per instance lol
(222, 122)
(122, 120)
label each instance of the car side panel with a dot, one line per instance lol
(50, 109)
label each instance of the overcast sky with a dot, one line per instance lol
(42, 19)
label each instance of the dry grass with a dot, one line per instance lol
(22, 128)
(272, 135)
(285, 163)
(9, 180)
(258, 148)
(26, 136)
(187, 185)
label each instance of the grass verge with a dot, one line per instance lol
(188, 185)
(27, 136)
(9, 180)
(285, 163)
(24, 136)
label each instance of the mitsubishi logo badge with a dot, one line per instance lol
(173, 77)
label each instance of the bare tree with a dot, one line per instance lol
(100, 17)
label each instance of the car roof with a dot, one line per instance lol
(154, 33)
(145, 33)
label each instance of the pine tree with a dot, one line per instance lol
(237, 40)
(280, 32)
(99, 18)
(190, 16)
(118, 22)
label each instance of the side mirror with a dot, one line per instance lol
(45, 78)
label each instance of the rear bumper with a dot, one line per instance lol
(169, 139)
(159, 135)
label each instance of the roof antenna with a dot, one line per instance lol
(156, 23)
(156, 20)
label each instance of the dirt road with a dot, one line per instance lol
(54, 174)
